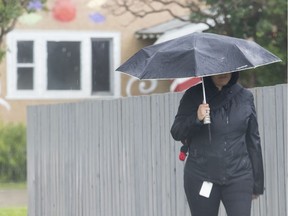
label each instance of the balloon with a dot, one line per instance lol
(30, 19)
(64, 10)
(35, 5)
(97, 17)
(95, 3)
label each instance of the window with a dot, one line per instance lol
(25, 67)
(62, 64)
(100, 63)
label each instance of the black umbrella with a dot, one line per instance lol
(196, 55)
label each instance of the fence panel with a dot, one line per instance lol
(117, 157)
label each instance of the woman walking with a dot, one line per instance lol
(225, 158)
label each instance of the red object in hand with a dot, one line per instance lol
(182, 156)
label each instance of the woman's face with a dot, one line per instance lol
(221, 80)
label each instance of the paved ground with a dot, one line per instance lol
(13, 197)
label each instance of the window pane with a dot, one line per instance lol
(63, 65)
(25, 78)
(100, 65)
(25, 51)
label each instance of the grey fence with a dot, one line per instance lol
(117, 157)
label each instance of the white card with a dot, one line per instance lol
(206, 189)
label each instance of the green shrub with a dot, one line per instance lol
(12, 152)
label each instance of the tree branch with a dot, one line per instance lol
(121, 7)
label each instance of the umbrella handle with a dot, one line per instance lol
(206, 119)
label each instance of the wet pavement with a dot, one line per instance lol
(13, 197)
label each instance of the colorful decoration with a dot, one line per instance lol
(97, 17)
(30, 19)
(3, 102)
(35, 5)
(64, 10)
(142, 86)
(182, 84)
(95, 3)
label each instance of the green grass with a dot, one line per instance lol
(13, 211)
(21, 185)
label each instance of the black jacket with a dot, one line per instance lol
(234, 151)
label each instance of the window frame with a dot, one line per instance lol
(40, 39)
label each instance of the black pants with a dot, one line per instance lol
(236, 197)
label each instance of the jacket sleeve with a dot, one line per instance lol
(186, 122)
(255, 152)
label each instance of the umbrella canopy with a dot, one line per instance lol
(196, 55)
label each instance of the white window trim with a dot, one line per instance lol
(40, 78)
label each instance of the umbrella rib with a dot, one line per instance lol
(148, 63)
(243, 55)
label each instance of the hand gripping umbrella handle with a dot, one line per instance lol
(207, 119)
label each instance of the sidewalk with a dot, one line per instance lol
(13, 197)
